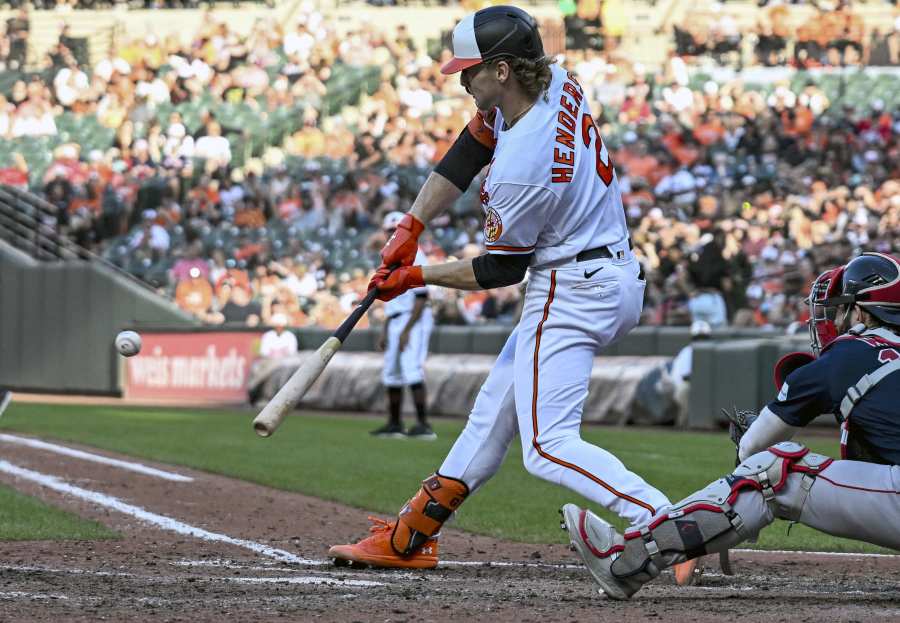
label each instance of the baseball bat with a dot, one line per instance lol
(290, 394)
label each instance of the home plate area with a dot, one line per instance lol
(200, 547)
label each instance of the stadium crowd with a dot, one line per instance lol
(833, 34)
(245, 177)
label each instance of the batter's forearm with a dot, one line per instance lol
(458, 275)
(434, 198)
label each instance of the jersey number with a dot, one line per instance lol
(604, 171)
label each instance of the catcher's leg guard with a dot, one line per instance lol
(422, 517)
(714, 519)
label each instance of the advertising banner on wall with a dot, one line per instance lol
(193, 367)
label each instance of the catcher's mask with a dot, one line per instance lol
(823, 311)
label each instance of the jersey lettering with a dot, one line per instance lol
(567, 120)
(887, 354)
(604, 164)
(564, 138)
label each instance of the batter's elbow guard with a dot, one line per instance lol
(422, 517)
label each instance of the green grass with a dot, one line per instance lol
(332, 457)
(23, 518)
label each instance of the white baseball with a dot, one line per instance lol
(128, 343)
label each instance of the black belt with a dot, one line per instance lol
(594, 254)
(597, 253)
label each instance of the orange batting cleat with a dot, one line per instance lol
(686, 573)
(377, 551)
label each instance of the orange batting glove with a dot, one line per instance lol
(401, 249)
(397, 282)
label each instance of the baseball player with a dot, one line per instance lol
(855, 329)
(552, 207)
(404, 340)
(5, 399)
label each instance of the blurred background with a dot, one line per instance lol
(235, 161)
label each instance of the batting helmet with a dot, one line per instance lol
(491, 33)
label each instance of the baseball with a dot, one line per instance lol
(128, 343)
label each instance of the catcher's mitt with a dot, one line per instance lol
(740, 421)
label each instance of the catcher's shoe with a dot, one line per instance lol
(376, 550)
(594, 540)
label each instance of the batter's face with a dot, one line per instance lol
(485, 83)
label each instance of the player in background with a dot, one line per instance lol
(552, 207)
(5, 399)
(404, 340)
(855, 329)
(681, 368)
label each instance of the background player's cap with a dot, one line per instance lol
(279, 320)
(700, 329)
(391, 220)
(493, 32)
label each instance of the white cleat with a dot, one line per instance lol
(594, 539)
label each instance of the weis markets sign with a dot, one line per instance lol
(196, 367)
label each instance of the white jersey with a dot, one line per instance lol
(551, 188)
(404, 303)
(274, 346)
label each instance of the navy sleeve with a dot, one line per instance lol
(804, 396)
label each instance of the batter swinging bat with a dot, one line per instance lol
(276, 409)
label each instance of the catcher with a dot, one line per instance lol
(855, 329)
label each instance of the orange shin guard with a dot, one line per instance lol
(422, 517)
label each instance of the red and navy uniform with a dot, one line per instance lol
(819, 386)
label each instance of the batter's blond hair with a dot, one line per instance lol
(533, 75)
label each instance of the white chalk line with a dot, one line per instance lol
(308, 579)
(131, 466)
(533, 565)
(231, 564)
(328, 581)
(804, 553)
(26, 595)
(160, 521)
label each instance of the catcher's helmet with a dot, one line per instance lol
(871, 281)
(491, 33)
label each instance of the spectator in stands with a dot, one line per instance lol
(213, 147)
(194, 294)
(710, 276)
(240, 308)
(299, 166)
(17, 29)
(152, 237)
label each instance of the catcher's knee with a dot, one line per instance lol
(725, 513)
(422, 517)
(769, 471)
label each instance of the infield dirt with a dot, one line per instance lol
(151, 574)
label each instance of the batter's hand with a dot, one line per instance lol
(401, 249)
(392, 284)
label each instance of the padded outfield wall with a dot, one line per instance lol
(58, 322)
